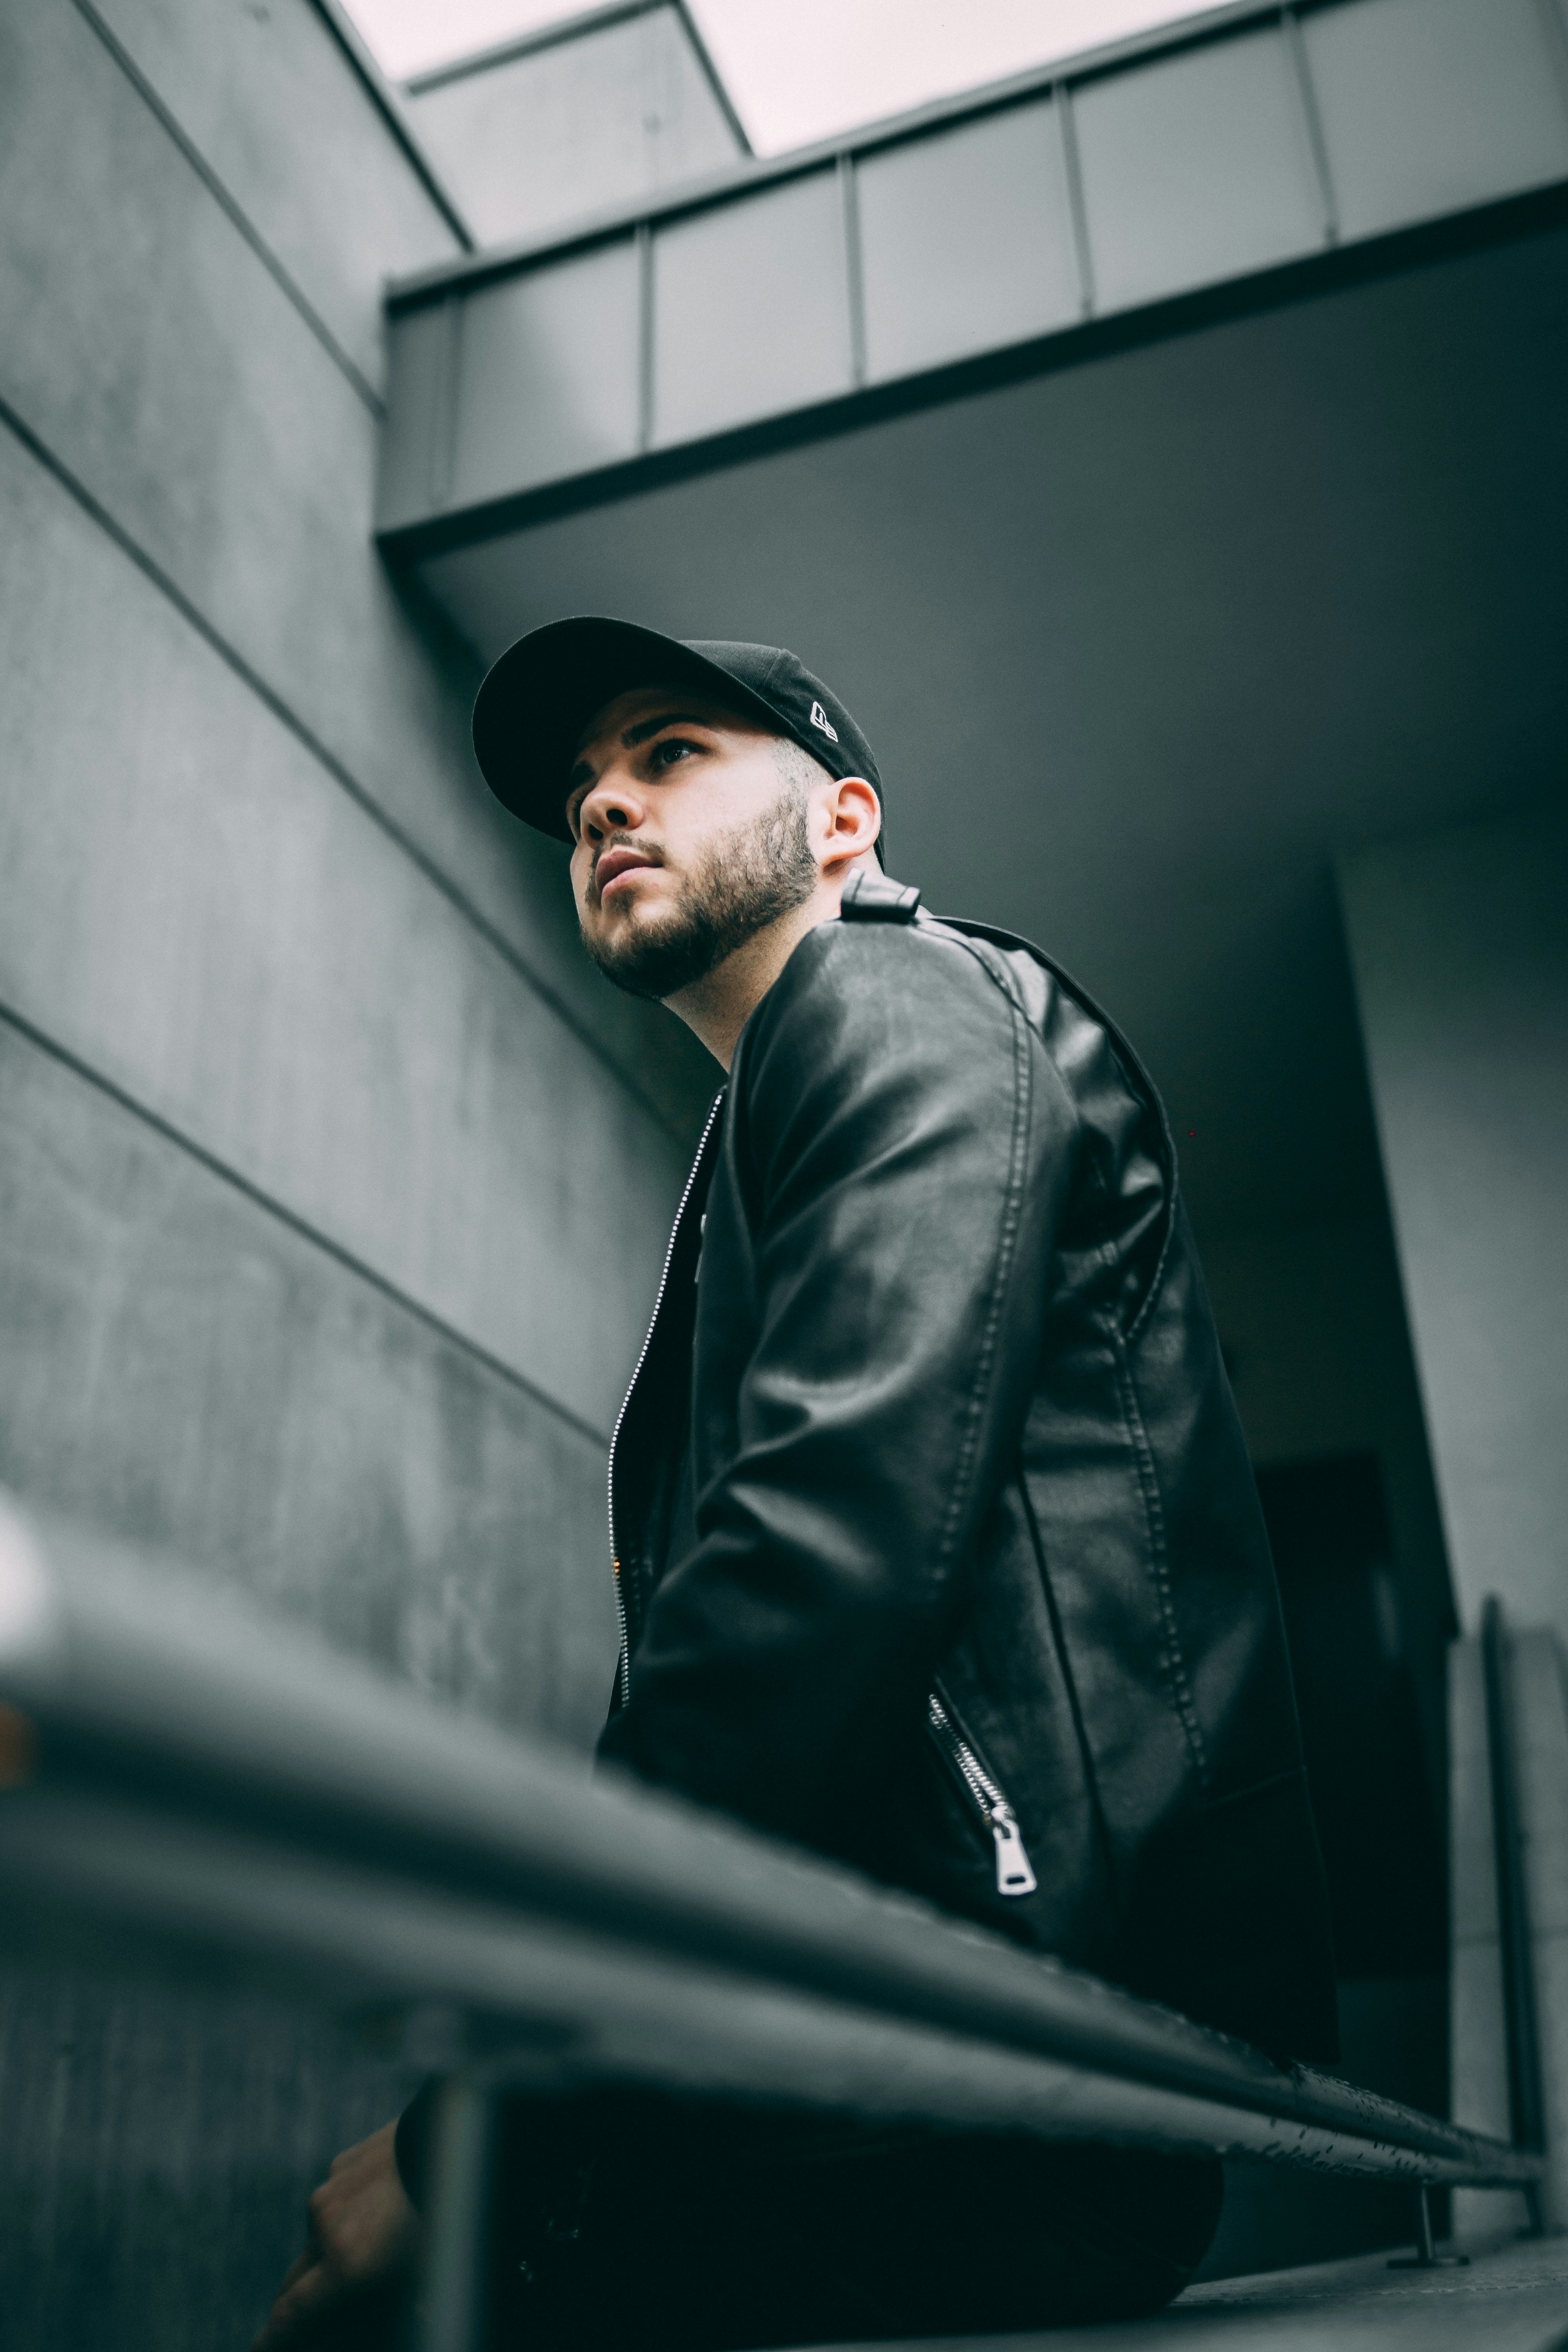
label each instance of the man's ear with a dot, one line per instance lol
(855, 816)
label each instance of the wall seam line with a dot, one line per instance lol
(389, 104)
(231, 207)
(290, 1219)
(346, 782)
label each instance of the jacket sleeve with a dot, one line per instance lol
(879, 1235)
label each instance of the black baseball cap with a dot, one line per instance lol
(531, 709)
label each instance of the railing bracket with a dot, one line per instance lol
(1426, 2257)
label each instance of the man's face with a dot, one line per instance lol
(690, 829)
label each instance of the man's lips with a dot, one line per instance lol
(615, 863)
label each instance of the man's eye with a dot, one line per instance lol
(666, 753)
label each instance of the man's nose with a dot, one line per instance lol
(613, 805)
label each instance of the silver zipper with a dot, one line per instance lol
(623, 1670)
(1013, 1874)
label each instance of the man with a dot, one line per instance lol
(936, 1544)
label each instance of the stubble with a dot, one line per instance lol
(743, 881)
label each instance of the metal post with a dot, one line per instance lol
(450, 2311)
(1525, 2102)
(1426, 2257)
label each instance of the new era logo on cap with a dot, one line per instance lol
(819, 717)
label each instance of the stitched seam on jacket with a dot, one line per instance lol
(1005, 1242)
(1128, 1066)
(1074, 1704)
(1154, 1509)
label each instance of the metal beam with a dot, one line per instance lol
(200, 1775)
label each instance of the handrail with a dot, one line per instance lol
(1525, 2098)
(202, 1772)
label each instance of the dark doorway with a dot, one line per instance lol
(1360, 1720)
(1380, 1826)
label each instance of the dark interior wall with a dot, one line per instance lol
(313, 1120)
(1461, 954)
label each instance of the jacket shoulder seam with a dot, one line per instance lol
(1158, 1562)
(1002, 1267)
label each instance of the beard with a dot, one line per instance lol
(743, 882)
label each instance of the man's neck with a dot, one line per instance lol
(717, 1007)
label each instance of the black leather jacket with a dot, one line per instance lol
(938, 1545)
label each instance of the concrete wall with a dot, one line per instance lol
(559, 129)
(1460, 949)
(334, 1183)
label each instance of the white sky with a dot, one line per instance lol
(797, 71)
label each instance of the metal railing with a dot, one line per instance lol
(191, 1773)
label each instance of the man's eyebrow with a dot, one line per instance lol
(583, 775)
(647, 727)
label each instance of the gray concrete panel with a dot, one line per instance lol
(192, 906)
(299, 145)
(750, 309)
(151, 351)
(1195, 168)
(967, 241)
(184, 1371)
(547, 373)
(533, 143)
(1429, 106)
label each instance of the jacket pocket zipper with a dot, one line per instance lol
(1013, 1874)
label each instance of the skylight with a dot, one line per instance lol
(800, 70)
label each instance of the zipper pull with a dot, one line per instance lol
(1013, 1876)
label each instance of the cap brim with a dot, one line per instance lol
(536, 701)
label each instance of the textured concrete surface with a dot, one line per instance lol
(184, 1369)
(332, 1184)
(162, 366)
(155, 2157)
(192, 907)
(300, 146)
